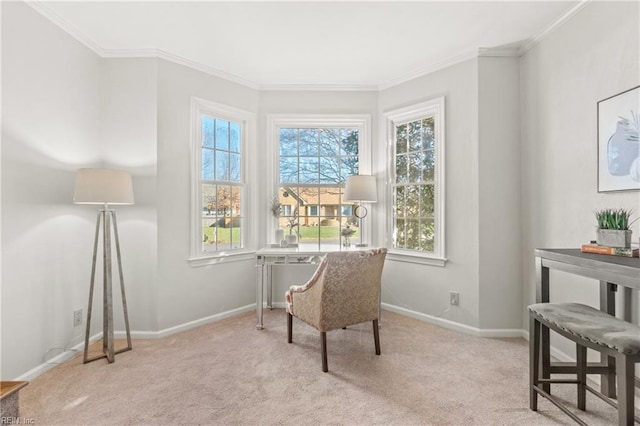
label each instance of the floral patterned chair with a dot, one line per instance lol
(344, 290)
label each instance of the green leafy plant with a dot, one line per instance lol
(617, 219)
(275, 207)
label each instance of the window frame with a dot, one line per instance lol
(277, 121)
(247, 121)
(432, 108)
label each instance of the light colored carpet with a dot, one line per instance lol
(230, 373)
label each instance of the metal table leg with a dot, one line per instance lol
(608, 305)
(269, 286)
(259, 294)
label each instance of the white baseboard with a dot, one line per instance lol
(187, 325)
(452, 325)
(53, 362)
(69, 353)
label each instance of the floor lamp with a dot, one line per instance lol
(361, 188)
(104, 187)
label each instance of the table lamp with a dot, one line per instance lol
(361, 188)
(104, 187)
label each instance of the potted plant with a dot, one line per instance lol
(613, 227)
(347, 232)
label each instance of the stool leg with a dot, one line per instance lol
(534, 361)
(581, 363)
(625, 374)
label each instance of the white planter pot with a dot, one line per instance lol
(292, 238)
(614, 238)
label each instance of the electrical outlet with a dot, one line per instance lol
(454, 298)
(77, 317)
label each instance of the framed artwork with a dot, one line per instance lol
(619, 142)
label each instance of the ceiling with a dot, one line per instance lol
(300, 43)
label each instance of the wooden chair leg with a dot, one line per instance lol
(581, 363)
(534, 361)
(289, 328)
(323, 349)
(625, 374)
(376, 336)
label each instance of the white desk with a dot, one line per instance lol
(265, 260)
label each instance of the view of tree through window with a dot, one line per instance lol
(414, 186)
(314, 164)
(222, 185)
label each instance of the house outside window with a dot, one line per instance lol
(416, 159)
(219, 179)
(313, 157)
(286, 210)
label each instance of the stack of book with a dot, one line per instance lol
(614, 251)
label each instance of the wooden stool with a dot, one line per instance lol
(9, 399)
(588, 328)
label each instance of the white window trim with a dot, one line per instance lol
(248, 147)
(436, 108)
(277, 121)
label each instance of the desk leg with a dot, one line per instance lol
(269, 286)
(259, 295)
(608, 305)
(542, 296)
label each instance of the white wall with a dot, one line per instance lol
(425, 289)
(65, 108)
(50, 122)
(188, 293)
(128, 127)
(591, 57)
(500, 226)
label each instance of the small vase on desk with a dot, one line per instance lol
(292, 239)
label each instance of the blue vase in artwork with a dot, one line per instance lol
(622, 150)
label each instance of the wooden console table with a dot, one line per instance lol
(611, 271)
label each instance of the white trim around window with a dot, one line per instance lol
(434, 108)
(277, 121)
(247, 121)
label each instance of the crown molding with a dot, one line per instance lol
(535, 39)
(50, 14)
(452, 60)
(499, 51)
(320, 87)
(162, 54)
(44, 10)
(515, 50)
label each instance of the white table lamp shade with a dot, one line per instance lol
(361, 188)
(103, 186)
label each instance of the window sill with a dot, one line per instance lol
(403, 256)
(222, 257)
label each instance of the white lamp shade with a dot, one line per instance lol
(361, 188)
(102, 186)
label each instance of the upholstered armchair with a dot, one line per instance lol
(344, 290)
